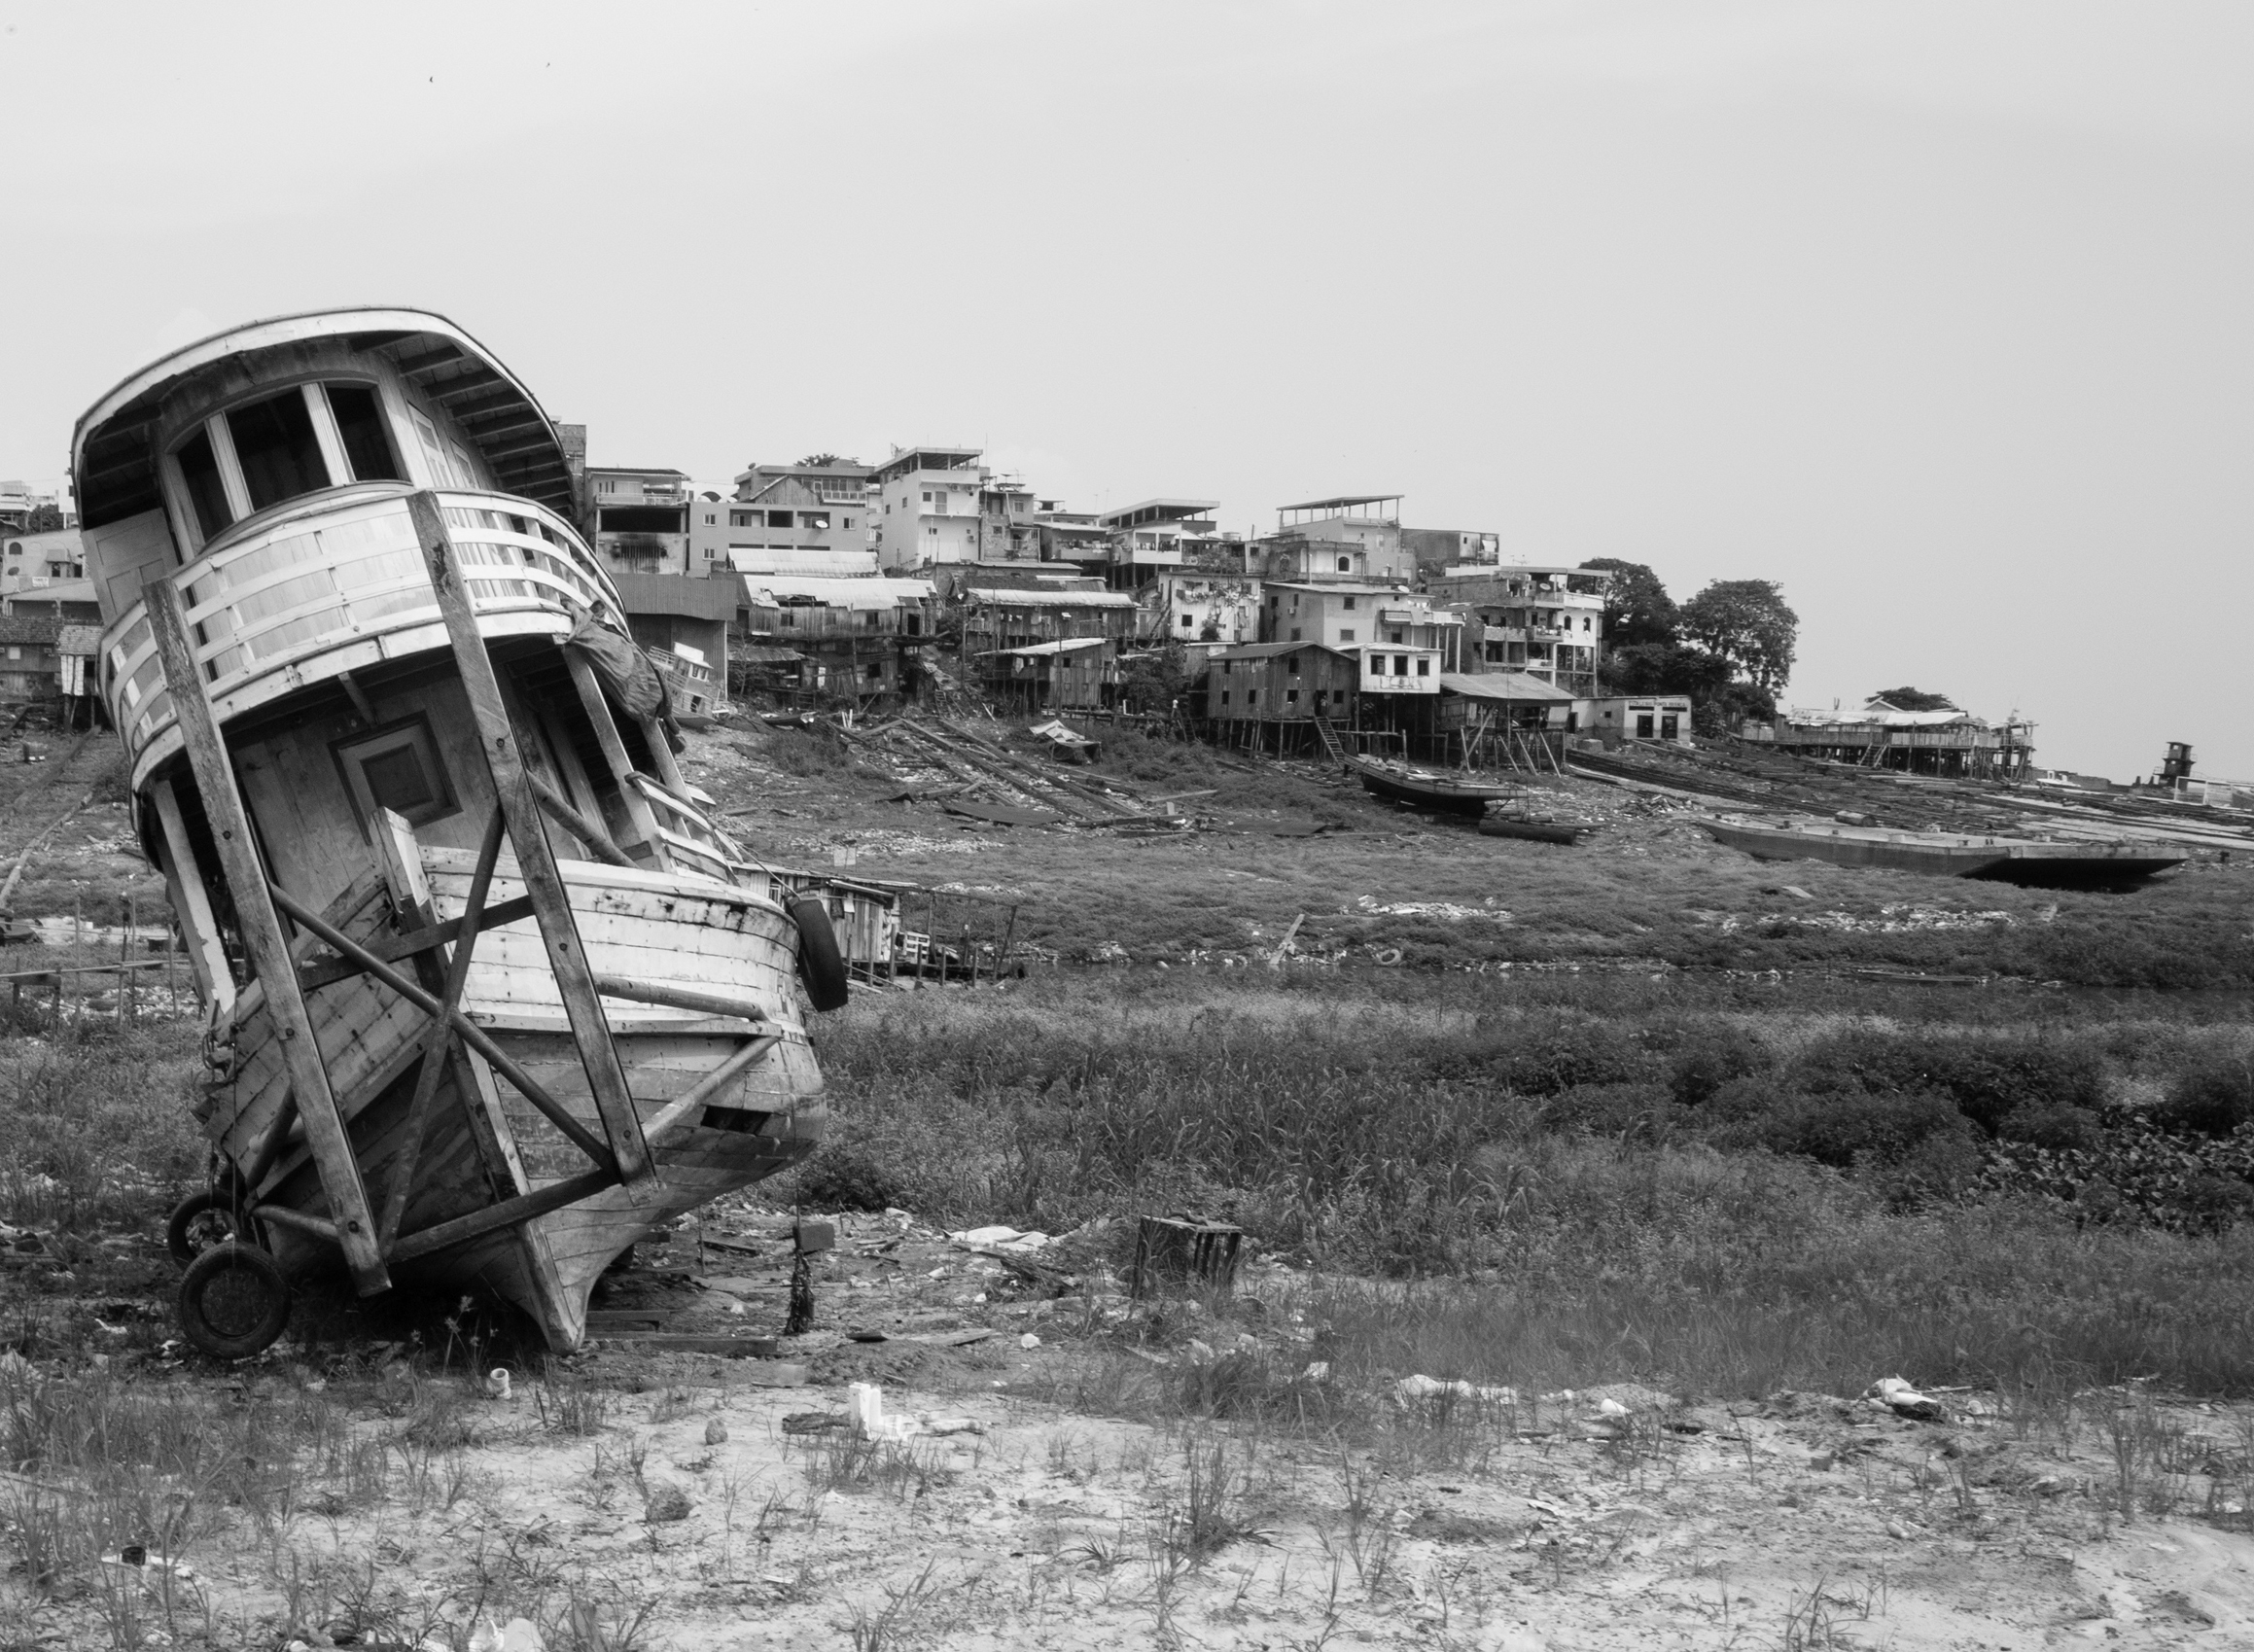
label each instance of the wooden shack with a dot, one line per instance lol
(1267, 696)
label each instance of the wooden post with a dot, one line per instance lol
(535, 861)
(263, 938)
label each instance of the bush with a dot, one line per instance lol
(2212, 1100)
(1711, 1058)
(1988, 1079)
(1850, 1129)
(843, 1176)
(2050, 1124)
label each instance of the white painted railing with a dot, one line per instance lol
(340, 585)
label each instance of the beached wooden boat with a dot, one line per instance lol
(492, 997)
(1493, 824)
(1426, 789)
(1954, 855)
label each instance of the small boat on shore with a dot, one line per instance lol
(1494, 824)
(1426, 789)
(1951, 855)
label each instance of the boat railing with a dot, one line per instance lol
(338, 587)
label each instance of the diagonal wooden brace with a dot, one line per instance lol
(438, 1040)
(263, 941)
(536, 863)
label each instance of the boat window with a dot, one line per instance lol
(200, 472)
(396, 767)
(276, 446)
(360, 422)
(433, 454)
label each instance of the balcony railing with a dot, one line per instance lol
(340, 585)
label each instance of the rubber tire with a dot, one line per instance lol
(223, 1260)
(185, 1212)
(820, 965)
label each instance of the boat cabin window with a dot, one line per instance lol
(276, 446)
(396, 767)
(206, 493)
(364, 432)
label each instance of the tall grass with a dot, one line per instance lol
(1539, 1157)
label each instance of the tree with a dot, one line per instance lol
(1637, 607)
(1747, 623)
(1916, 700)
(819, 461)
(1664, 668)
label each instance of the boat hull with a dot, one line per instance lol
(2000, 859)
(1531, 831)
(486, 1142)
(1426, 792)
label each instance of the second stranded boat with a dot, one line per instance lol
(1956, 855)
(491, 995)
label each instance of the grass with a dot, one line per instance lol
(1516, 1154)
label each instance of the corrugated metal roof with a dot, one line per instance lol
(1069, 645)
(1052, 598)
(1500, 685)
(838, 591)
(1269, 651)
(676, 594)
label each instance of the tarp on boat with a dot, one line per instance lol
(626, 675)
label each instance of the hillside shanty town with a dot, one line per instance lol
(1233, 828)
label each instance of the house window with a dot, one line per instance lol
(1350, 605)
(1186, 623)
(778, 518)
(1295, 632)
(740, 519)
(1397, 637)
(927, 496)
(1293, 665)
(849, 524)
(1424, 668)
(1224, 696)
(1252, 696)
(1642, 726)
(396, 767)
(1229, 667)
(1345, 565)
(1291, 697)
(1346, 633)
(1668, 725)
(876, 670)
(1400, 665)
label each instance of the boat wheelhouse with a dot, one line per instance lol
(491, 993)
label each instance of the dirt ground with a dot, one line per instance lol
(1071, 1501)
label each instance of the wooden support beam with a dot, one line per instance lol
(677, 1118)
(705, 1001)
(473, 1035)
(263, 939)
(509, 1212)
(396, 842)
(391, 949)
(535, 861)
(597, 706)
(558, 808)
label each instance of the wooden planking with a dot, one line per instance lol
(536, 862)
(206, 955)
(263, 939)
(598, 712)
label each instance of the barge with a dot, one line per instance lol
(1956, 855)
(490, 993)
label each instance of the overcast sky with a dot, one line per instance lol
(1937, 314)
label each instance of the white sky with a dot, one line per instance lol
(1938, 314)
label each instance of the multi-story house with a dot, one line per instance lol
(790, 522)
(1435, 550)
(1008, 525)
(829, 641)
(1402, 639)
(927, 501)
(1195, 605)
(1352, 536)
(1545, 620)
(637, 519)
(1054, 646)
(1152, 535)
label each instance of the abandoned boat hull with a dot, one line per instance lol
(1423, 790)
(487, 1141)
(1530, 831)
(2001, 860)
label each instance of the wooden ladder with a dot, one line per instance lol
(1331, 740)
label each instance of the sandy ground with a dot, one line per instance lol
(1062, 1513)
